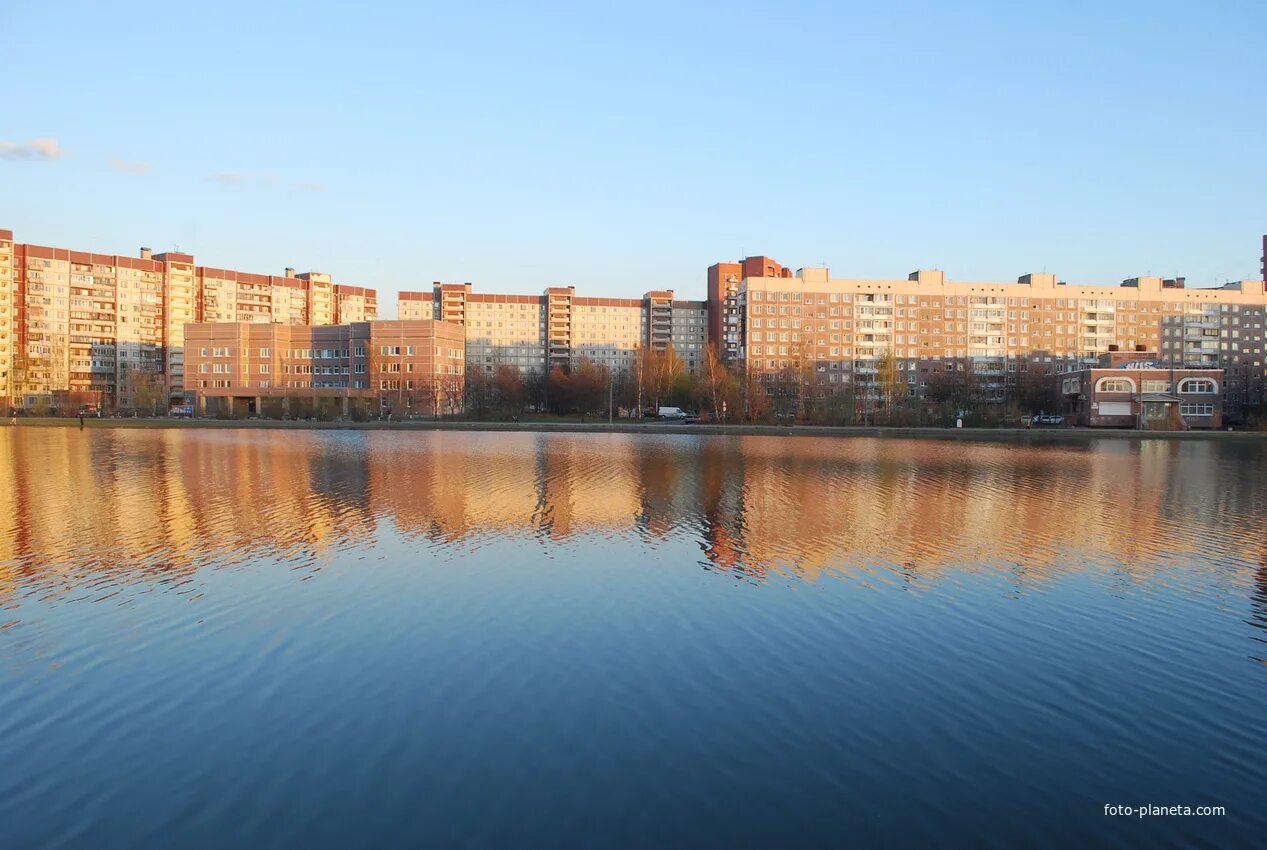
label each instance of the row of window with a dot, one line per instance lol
(996, 301)
(1189, 386)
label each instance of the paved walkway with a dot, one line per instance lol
(1036, 434)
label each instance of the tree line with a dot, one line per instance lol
(723, 392)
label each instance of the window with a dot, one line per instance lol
(1115, 385)
(1198, 385)
(1196, 410)
(1156, 386)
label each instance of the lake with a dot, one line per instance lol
(248, 638)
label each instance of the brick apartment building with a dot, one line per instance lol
(243, 368)
(112, 328)
(724, 321)
(1135, 390)
(80, 327)
(835, 332)
(537, 332)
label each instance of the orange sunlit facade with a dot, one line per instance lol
(243, 368)
(81, 327)
(833, 333)
(558, 328)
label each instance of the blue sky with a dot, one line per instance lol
(624, 148)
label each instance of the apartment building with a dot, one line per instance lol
(8, 313)
(252, 368)
(80, 327)
(723, 297)
(832, 331)
(559, 327)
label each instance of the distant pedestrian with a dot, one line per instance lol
(13, 416)
(81, 420)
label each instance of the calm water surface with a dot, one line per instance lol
(290, 639)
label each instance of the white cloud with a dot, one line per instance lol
(124, 166)
(45, 148)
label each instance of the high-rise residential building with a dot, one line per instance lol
(558, 328)
(825, 331)
(79, 327)
(8, 313)
(246, 368)
(723, 299)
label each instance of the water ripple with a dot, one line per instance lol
(351, 639)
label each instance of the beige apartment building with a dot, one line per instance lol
(365, 368)
(537, 332)
(835, 332)
(77, 327)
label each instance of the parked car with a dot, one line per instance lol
(90, 411)
(671, 413)
(1047, 419)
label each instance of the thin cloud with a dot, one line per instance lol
(271, 180)
(44, 148)
(228, 178)
(124, 166)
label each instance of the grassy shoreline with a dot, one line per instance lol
(1043, 434)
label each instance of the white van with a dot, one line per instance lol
(671, 413)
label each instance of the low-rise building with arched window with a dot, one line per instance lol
(1136, 389)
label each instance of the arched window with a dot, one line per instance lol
(1115, 385)
(1198, 385)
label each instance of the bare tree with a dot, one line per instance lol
(480, 391)
(890, 385)
(643, 367)
(508, 386)
(756, 398)
(452, 384)
(716, 377)
(667, 367)
(147, 390)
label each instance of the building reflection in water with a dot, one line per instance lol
(82, 509)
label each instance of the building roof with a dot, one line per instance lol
(1166, 397)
